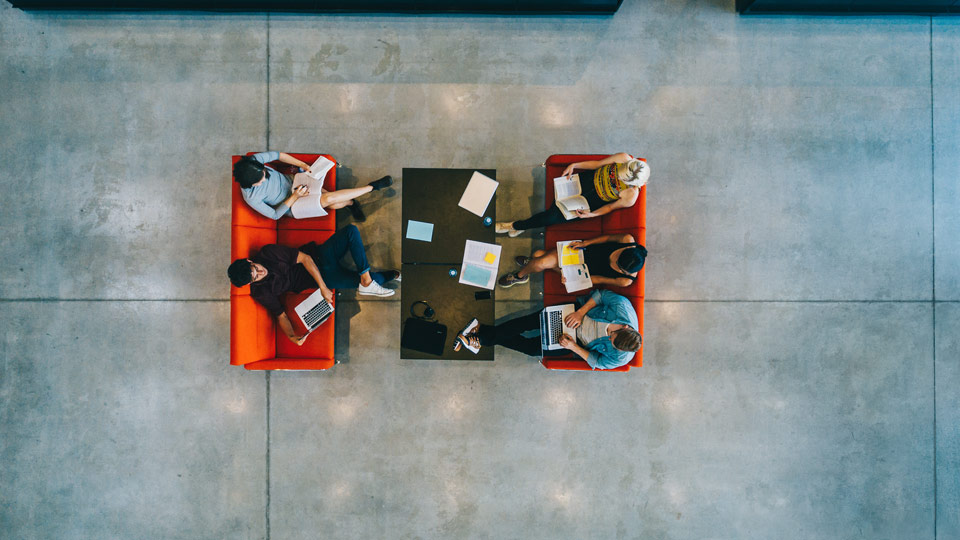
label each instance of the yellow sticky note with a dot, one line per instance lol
(489, 258)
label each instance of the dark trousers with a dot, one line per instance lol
(509, 335)
(551, 216)
(328, 255)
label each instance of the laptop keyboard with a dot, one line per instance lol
(555, 326)
(316, 314)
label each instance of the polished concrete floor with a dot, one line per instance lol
(801, 374)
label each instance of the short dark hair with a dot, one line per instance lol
(627, 339)
(631, 259)
(240, 272)
(247, 171)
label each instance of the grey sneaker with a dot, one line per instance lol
(511, 279)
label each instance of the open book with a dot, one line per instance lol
(480, 264)
(568, 196)
(309, 206)
(573, 267)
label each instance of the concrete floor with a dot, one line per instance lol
(801, 373)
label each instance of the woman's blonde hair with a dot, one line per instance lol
(636, 173)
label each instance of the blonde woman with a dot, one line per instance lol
(608, 184)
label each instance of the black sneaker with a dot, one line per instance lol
(356, 211)
(511, 279)
(522, 260)
(386, 181)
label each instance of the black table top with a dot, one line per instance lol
(455, 304)
(431, 196)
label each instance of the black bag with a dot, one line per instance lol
(424, 336)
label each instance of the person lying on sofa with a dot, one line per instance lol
(271, 192)
(276, 270)
(606, 332)
(612, 259)
(608, 184)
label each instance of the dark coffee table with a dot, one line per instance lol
(431, 196)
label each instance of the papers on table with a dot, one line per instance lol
(419, 230)
(478, 194)
(480, 264)
(576, 276)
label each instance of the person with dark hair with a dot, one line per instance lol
(276, 270)
(612, 259)
(271, 192)
(606, 332)
(607, 184)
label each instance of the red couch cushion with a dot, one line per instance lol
(252, 332)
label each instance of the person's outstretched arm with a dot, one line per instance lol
(287, 328)
(621, 157)
(311, 266)
(290, 160)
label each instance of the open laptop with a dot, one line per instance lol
(552, 326)
(314, 311)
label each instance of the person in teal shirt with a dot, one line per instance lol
(606, 328)
(271, 192)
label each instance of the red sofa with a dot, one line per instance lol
(256, 340)
(631, 220)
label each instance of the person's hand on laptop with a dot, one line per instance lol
(567, 342)
(327, 294)
(573, 320)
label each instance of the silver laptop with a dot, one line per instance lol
(314, 311)
(552, 326)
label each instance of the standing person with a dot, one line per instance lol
(276, 270)
(612, 259)
(271, 192)
(608, 184)
(606, 332)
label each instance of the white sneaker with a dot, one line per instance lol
(375, 289)
(506, 227)
(471, 342)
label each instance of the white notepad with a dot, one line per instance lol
(478, 194)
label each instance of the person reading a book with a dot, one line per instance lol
(606, 185)
(276, 270)
(611, 259)
(271, 192)
(605, 325)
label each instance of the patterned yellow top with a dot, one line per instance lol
(607, 182)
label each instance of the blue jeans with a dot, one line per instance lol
(328, 255)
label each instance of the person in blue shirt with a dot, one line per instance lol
(605, 326)
(271, 192)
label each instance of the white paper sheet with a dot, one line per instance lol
(320, 168)
(563, 188)
(478, 269)
(478, 194)
(309, 206)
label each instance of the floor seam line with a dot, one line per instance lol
(267, 505)
(933, 271)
